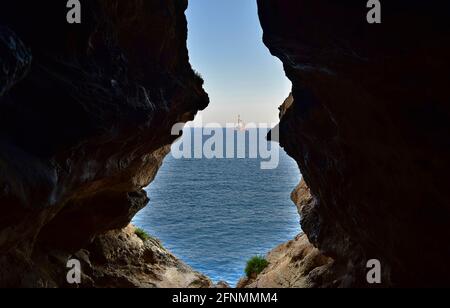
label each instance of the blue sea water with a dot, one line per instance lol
(215, 214)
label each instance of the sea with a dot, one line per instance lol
(217, 213)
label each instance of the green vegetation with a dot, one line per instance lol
(198, 74)
(255, 266)
(142, 234)
(200, 77)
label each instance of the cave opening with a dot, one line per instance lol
(215, 213)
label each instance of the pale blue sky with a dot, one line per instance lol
(241, 76)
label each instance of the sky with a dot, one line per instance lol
(241, 76)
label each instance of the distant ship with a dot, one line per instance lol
(240, 125)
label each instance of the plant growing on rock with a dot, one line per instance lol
(255, 266)
(142, 234)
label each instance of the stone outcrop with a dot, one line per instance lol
(85, 121)
(369, 124)
(295, 264)
(121, 259)
(118, 259)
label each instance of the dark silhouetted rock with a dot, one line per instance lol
(369, 125)
(86, 113)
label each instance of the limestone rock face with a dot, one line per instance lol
(295, 264)
(86, 113)
(369, 124)
(121, 259)
(115, 259)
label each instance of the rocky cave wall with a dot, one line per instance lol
(369, 124)
(86, 112)
(85, 118)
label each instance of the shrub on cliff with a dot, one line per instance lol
(198, 74)
(142, 234)
(255, 266)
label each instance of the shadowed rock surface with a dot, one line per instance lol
(121, 259)
(369, 124)
(85, 121)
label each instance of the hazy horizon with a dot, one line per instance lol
(241, 76)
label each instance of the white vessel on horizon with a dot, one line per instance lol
(240, 125)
